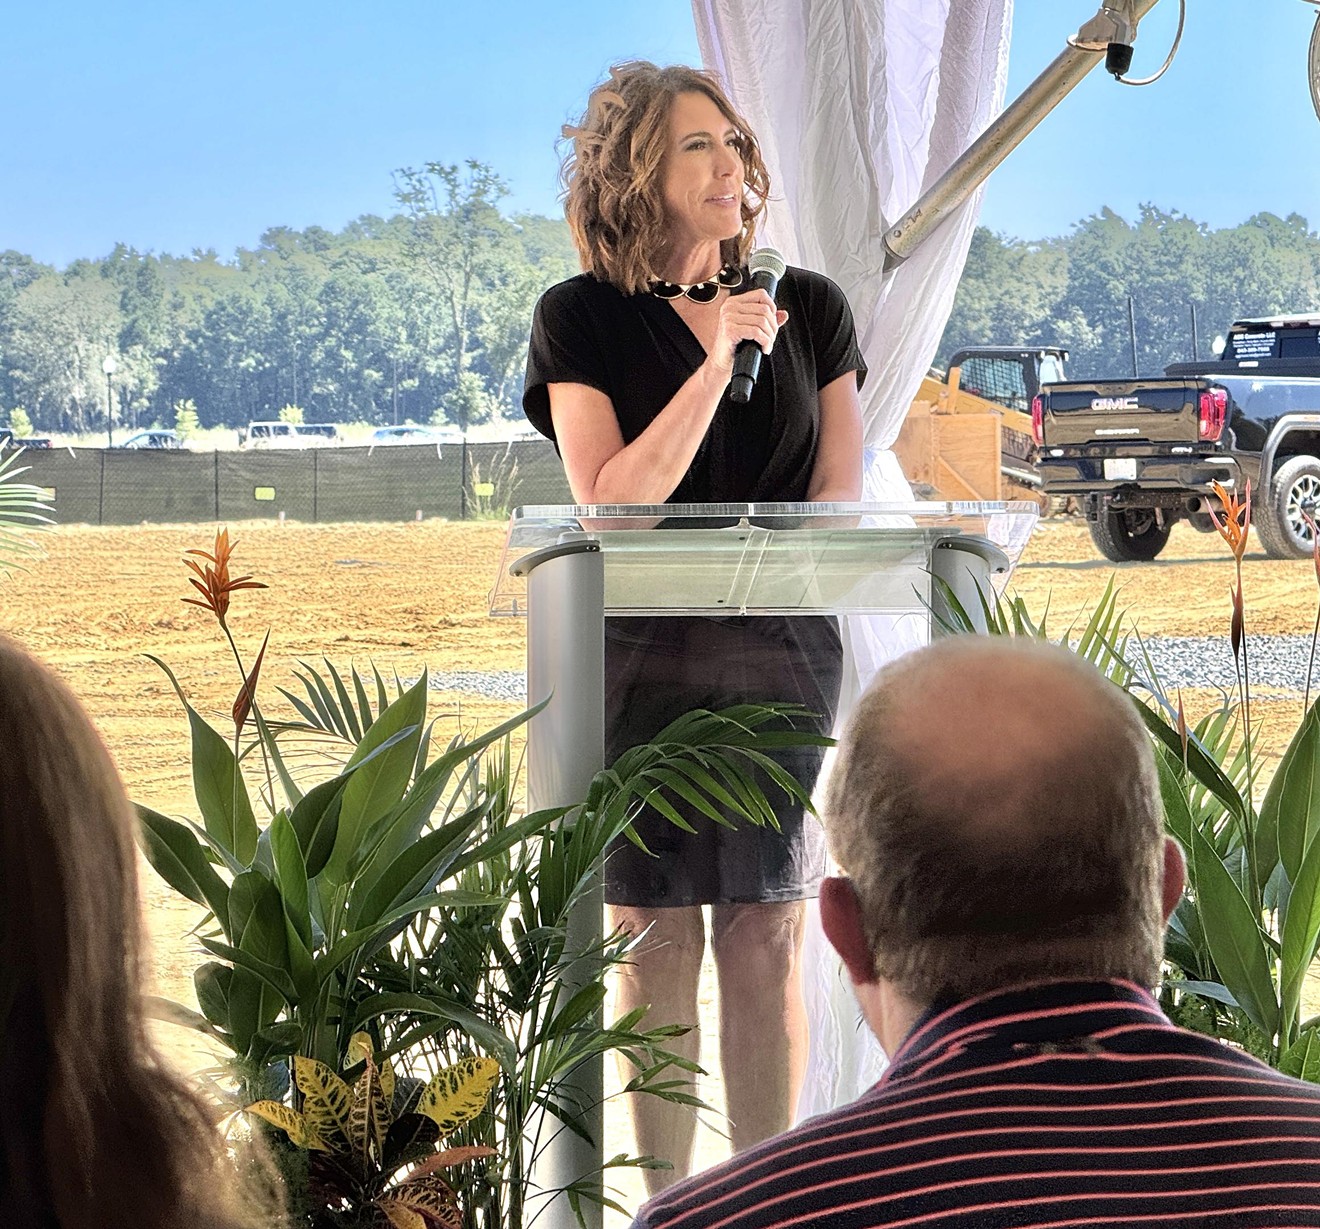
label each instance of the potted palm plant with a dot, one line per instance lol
(400, 912)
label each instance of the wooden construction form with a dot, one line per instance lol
(960, 445)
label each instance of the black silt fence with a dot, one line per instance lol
(393, 483)
(166, 487)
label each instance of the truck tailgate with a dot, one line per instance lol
(1144, 411)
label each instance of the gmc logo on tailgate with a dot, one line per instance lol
(1115, 403)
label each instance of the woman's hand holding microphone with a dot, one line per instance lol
(744, 317)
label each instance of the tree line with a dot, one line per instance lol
(423, 316)
(1074, 291)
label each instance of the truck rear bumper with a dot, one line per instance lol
(1157, 475)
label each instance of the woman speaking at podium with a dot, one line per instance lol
(628, 373)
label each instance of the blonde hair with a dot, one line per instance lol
(94, 1130)
(613, 175)
(994, 869)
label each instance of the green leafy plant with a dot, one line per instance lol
(1245, 936)
(490, 496)
(371, 1146)
(1101, 639)
(535, 988)
(186, 421)
(20, 423)
(404, 897)
(1246, 932)
(23, 508)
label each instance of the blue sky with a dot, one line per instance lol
(174, 126)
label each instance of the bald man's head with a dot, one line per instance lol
(995, 803)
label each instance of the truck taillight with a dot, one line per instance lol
(1213, 411)
(1038, 420)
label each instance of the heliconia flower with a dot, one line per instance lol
(243, 702)
(213, 581)
(1236, 520)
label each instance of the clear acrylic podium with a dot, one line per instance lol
(568, 567)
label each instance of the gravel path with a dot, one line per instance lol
(497, 684)
(1274, 661)
(1180, 661)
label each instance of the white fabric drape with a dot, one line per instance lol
(859, 106)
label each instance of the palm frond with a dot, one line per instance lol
(23, 508)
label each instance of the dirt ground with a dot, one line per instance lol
(415, 595)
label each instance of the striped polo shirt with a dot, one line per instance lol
(1060, 1104)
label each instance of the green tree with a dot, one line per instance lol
(19, 422)
(469, 401)
(1008, 294)
(186, 422)
(384, 320)
(1074, 291)
(474, 260)
(17, 272)
(60, 330)
(1264, 266)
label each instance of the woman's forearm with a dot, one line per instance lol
(648, 470)
(836, 476)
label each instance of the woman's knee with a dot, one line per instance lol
(760, 942)
(673, 937)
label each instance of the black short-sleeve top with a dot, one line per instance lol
(638, 351)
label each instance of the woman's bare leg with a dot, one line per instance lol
(663, 977)
(763, 1019)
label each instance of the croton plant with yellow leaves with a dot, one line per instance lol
(372, 1144)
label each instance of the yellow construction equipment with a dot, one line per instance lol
(968, 433)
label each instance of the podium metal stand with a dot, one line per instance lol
(567, 567)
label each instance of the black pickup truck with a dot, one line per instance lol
(9, 440)
(1140, 455)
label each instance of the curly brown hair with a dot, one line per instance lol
(613, 174)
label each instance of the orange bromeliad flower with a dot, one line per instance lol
(1237, 518)
(213, 581)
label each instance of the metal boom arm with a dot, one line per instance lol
(1017, 120)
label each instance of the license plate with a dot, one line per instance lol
(1121, 469)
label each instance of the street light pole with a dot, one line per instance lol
(109, 366)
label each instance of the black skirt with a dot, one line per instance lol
(657, 669)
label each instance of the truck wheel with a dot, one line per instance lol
(1294, 489)
(1133, 535)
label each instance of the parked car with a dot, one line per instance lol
(317, 434)
(410, 433)
(1140, 455)
(152, 439)
(270, 434)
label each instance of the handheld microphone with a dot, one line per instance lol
(766, 267)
